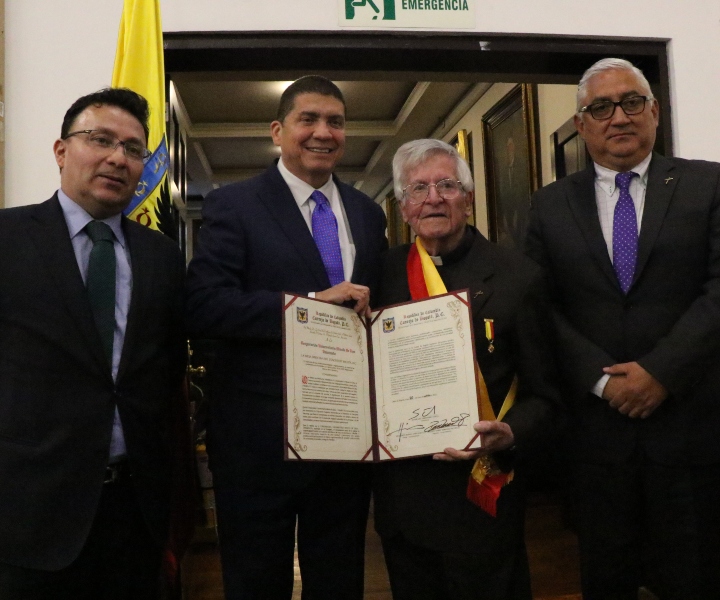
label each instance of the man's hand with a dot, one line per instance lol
(496, 436)
(346, 291)
(633, 391)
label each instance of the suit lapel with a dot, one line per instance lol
(662, 179)
(52, 239)
(356, 222)
(480, 273)
(581, 199)
(279, 201)
(142, 269)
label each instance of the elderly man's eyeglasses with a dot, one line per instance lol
(604, 109)
(107, 142)
(447, 189)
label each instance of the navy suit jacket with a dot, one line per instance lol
(669, 322)
(57, 395)
(254, 244)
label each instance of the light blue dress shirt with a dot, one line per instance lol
(76, 218)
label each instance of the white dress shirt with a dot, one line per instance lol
(301, 192)
(606, 197)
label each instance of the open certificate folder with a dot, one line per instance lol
(399, 385)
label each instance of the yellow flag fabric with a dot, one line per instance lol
(486, 480)
(433, 281)
(139, 65)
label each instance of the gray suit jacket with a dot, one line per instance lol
(669, 322)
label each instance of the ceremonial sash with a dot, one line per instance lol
(486, 480)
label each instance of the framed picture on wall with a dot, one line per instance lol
(512, 164)
(463, 144)
(569, 154)
(398, 230)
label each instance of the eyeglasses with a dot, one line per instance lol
(604, 109)
(447, 189)
(105, 141)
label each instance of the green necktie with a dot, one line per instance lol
(101, 282)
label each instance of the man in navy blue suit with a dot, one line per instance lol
(258, 239)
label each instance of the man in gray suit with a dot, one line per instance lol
(631, 247)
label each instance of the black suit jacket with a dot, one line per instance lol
(425, 499)
(57, 395)
(669, 322)
(255, 244)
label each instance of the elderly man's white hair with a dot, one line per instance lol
(412, 154)
(609, 64)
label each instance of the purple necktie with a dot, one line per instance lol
(625, 232)
(325, 232)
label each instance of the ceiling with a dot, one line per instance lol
(398, 85)
(227, 116)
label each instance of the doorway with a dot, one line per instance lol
(439, 73)
(400, 86)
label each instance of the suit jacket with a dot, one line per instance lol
(57, 395)
(669, 322)
(255, 244)
(425, 499)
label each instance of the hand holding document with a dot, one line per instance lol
(399, 384)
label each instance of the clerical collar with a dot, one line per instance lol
(459, 252)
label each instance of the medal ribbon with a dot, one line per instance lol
(486, 480)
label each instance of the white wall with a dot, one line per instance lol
(57, 50)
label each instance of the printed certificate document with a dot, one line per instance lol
(398, 385)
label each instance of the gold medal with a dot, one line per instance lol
(490, 334)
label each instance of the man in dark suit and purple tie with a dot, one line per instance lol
(631, 247)
(293, 228)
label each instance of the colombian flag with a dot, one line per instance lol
(139, 65)
(486, 480)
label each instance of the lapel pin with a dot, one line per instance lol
(669, 179)
(476, 294)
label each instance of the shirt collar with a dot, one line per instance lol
(606, 177)
(77, 217)
(300, 189)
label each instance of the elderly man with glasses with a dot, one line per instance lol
(452, 524)
(631, 247)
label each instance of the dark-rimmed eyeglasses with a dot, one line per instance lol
(105, 141)
(604, 109)
(447, 189)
